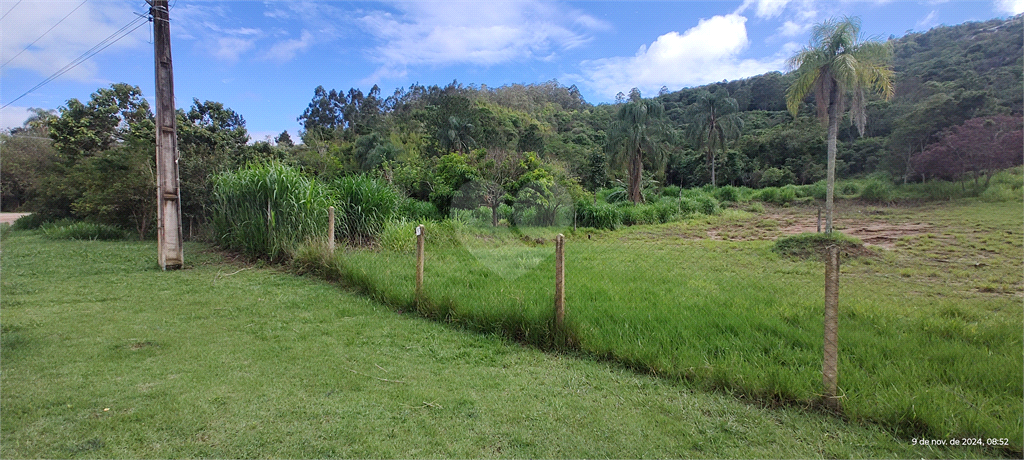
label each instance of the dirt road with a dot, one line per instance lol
(10, 217)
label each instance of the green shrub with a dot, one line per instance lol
(599, 215)
(65, 230)
(776, 195)
(29, 222)
(267, 209)
(847, 188)
(1001, 192)
(727, 194)
(671, 191)
(417, 211)
(877, 191)
(816, 190)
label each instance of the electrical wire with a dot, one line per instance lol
(43, 35)
(9, 11)
(85, 56)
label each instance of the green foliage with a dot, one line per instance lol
(29, 222)
(776, 195)
(877, 191)
(418, 211)
(268, 209)
(600, 215)
(68, 230)
(364, 205)
(727, 194)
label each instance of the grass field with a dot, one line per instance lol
(930, 330)
(104, 356)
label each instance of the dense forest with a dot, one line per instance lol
(93, 159)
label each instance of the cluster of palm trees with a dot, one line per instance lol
(838, 65)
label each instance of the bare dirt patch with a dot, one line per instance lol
(871, 232)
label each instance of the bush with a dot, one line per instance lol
(364, 205)
(847, 188)
(1001, 192)
(65, 230)
(727, 194)
(599, 215)
(29, 222)
(268, 209)
(417, 211)
(775, 195)
(671, 191)
(817, 190)
(877, 191)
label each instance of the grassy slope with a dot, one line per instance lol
(930, 333)
(105, 356)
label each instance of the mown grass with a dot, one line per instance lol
(922, 357)
(104, 356)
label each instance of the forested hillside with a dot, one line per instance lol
(429, 141)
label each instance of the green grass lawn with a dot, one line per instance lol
(102, 355)
(930, 332)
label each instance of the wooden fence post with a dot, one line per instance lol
(830, 371)
(560, 284)
(330, 229)
(420, 240)
(819, 220)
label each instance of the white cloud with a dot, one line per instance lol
(764, 9)
(482, 33)
(928, 21)
(231, 48)
(706, 53)
(1010, 6)
(287, 49)
(87, 26)
(792, 29)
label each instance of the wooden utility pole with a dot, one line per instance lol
(168, 194)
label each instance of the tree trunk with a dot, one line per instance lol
(636, 169)
(711, 155)
(833, 131)
(494, 216)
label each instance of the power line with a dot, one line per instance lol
(9, 11)
(85, 56)
(43, 35)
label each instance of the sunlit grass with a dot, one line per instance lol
(918, 355)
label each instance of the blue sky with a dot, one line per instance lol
(263, 59)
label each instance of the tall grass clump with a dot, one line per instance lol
(66, 230)
(416, 210)
(597, 215)
(268, 209)
(877, 191)
(364, 205)
(776, 195)
(698, 201)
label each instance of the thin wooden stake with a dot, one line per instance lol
(420, 240)
(830, 371)
(330, 228)
(560, 283)
(819, 220)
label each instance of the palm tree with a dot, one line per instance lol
(714, 119)
(457, 135)
(633, 135)
(835, 63)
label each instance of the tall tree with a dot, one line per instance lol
(633, 136)
(837, 62)
(714, 119)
